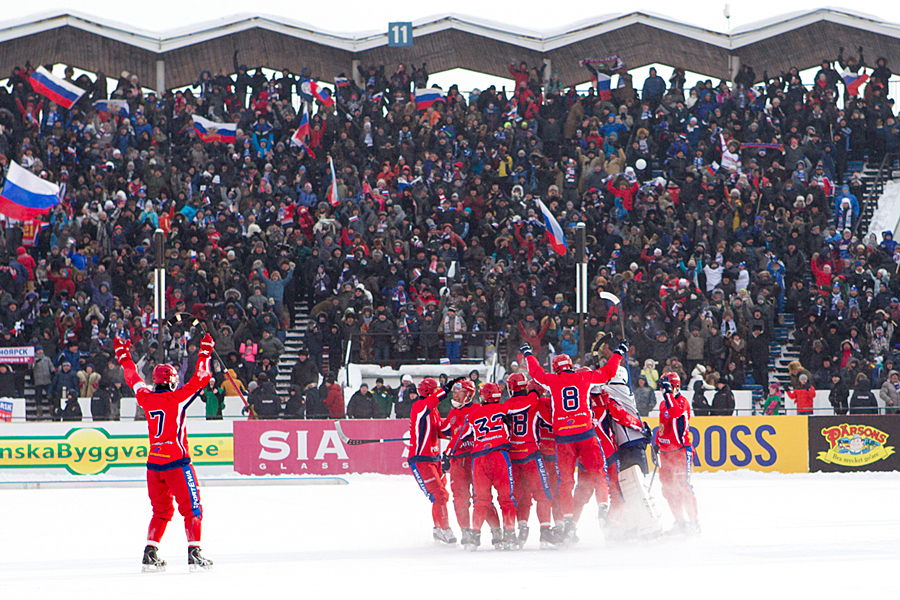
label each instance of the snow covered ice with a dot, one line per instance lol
(764, 536)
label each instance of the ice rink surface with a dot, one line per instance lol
(764, 536)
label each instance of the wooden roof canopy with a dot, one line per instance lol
(801, 39)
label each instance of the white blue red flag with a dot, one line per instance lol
(57, 90)
(554, 231)
(332, 189)
(852, 81)
(113, 107)
(309, 89)
(341, 82)
(210, 131)
(25, 195)
(425, 98)
(604, 86)
(303, 129)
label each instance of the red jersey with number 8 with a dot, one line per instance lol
(570, 393)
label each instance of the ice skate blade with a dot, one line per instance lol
(199, 568)
(470, 547)
(549, 546)
(152, 568)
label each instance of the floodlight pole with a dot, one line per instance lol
(581, 283)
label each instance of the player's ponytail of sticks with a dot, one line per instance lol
(186, 321)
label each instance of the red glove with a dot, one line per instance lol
(122, 349)
(206, 346)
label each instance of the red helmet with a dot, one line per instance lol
(165, 375)
(561, 362)
(673, 379)
(491, 392)
(426, 386)
(516, 382)
(468, 388)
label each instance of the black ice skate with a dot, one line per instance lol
(196, 562)
(523, 534)
(510, 540)
(444, 536)
(569, 536)
(473, 540)
(152, 563)
(550, 538)
(497, 538)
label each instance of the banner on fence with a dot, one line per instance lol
(771, 444)
(857, 443)
(314, 448)
(17, 355)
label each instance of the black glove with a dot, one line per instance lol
(449, 387)
(648, 433)
(622, 349)
(525, 349)
(445, 463)
(860, 50)
(666, 385)
(841, 50)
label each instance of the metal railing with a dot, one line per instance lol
(396, 349)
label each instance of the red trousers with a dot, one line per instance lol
(179, 484)
(675, 478)
(461, 488)
(590, 455)
(587, 486)
(493, 470)
(553, 476)
(532, 483)
(433, 483)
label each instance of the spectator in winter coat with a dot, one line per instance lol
(723, 401)
(803, 395)
(304, 371)
(839, 394)
(362, 404)
(333, 397)
(863, 401)
(42, 375)
(890, 393)
(264, 399)
(644, 396)
(699, 404)
(65, 379)
(72, 410)
(270, 347)
(384, 399)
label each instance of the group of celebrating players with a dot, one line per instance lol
(529, 446)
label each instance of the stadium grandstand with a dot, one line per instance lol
(325, 209)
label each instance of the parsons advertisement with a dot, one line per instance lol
(854, 443)
(314, 448)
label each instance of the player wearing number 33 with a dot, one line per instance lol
(169, 471)
(576, 439)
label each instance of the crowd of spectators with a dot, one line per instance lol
(705, 210)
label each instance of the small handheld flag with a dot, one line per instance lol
(554, 231)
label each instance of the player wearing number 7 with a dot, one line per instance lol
(576, 440)
(169, 471)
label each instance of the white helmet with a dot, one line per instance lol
(621, 376)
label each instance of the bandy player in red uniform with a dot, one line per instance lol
(576, 440)
(530, 476)
(491, 467)
(169, 471)
(586, 484)
(460, 460)
(425, 455)
(673, 443)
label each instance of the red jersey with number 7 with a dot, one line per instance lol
(570, 394)
(166, 412)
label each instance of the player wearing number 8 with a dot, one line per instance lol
(576, 440)
(169, 471)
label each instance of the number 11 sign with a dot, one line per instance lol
(400, 35)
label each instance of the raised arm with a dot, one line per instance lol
(203, 373)
(123, 355)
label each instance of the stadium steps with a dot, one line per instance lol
(293, 340)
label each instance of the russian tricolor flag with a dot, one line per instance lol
(604, 83)
(210, 131)
(303, 129)
(332, 189)
(852, 81)
(309, 89)
(62, 92)
(425, 98)
(341, 82)
(554, 231)
(25, 195)
(113, 107)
